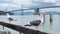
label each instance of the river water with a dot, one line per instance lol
(53, 28)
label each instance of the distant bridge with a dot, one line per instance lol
(35, 9)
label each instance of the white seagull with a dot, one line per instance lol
(37, 22)
(9, 18)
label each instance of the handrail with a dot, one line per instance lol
(21, 29)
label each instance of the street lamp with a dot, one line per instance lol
(21, 9)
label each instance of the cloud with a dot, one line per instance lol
(8, 7)
(33, 3)
(50, 0)
(26, 3)
(5, 1)
(16, 4)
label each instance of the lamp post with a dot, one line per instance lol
(4, 11)
(21, 9)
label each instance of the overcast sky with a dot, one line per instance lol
(16, 4)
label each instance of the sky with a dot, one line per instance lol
(17, 4)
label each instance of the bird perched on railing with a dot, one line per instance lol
(9, 18)
(37, 22)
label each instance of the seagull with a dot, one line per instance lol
(34, 23)
(37, 22)
(9, 18)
